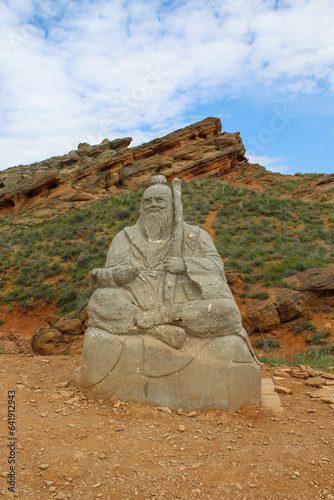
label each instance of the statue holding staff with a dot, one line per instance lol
(162, 312)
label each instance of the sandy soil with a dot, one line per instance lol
(71, 448)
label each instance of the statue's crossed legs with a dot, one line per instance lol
(115, 311)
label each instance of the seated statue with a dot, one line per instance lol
(164, 327)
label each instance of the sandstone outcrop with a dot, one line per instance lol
(263, 315)
(319, 280)
(290, 304)
(92, 172)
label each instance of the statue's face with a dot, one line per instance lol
(156, 198)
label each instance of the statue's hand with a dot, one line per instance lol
(124, 274)
(100, 277)
(175, 265)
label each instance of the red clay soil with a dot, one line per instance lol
(71, 448)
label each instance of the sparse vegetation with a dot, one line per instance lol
(313, 357)
(319, 336)
(260, 295)
(301, 327)
(267, 344)
(263, 236)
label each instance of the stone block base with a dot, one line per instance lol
(205, 373)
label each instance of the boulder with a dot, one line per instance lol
(320, 279)
(263, 315)
(47, 341)
(289, 303)
(50, 341)
(69, 326)
(84, 315)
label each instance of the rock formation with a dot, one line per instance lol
(92, 172)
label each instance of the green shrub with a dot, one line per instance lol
(267, 344)
(319, 336)
(301, 327)
(260, 295)
(327, 350)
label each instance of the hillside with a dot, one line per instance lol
(58, 223)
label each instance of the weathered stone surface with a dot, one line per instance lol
(48, 341)
(163, 325)
(52, 319)
(318, 279)
(299, 374)
(69, 326)
(84, 315)
(289, 303)
(309, 370)
(316, 382)
(92, 172)
(329, 376)
(263, 315)
(282, 390)
(205, 373)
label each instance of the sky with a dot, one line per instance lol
(76, 71)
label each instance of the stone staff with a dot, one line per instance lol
(177, 246)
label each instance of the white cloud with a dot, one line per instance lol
(72, 70)
(272, 164)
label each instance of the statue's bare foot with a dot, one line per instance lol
(151, 317)
(172, 335)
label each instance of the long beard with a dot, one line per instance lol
(157, 225)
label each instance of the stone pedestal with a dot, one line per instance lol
(205, 373)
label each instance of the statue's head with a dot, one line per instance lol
(156, 210)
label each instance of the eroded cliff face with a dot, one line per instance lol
(92, 172)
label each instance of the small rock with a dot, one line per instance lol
(60, 496)
(308, 369)
(181, 428)
(329, 376)
(321, 393)
(114, 400)
(328, 400)
(49, 483)
(281, 373)
(96, 485)
(164, 409)
(44, 466)
(282, 390)
(66, 394)
(300, 374)
(316, 382)
(192, 414)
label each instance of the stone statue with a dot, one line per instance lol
(164, 327)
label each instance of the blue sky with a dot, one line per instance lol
(78, 71)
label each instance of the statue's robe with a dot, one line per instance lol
(202, 302)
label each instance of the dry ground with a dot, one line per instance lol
(71, 448)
